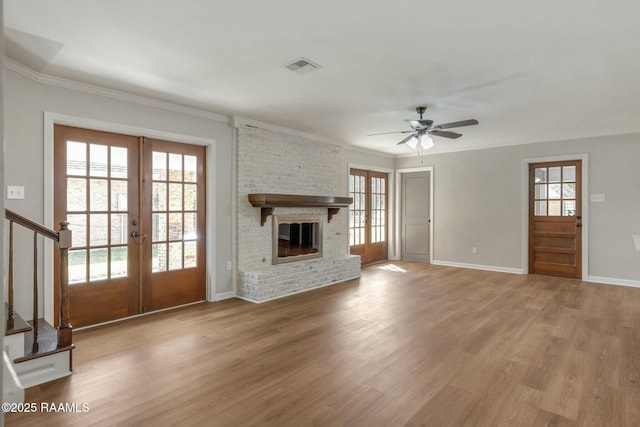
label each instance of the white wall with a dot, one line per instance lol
(26, 101)
(478, 202)
(368, 160)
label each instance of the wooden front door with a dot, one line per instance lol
(174, 224)
(368, 215)
(125, 246)
(555, 219)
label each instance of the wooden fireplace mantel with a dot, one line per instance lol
(266, 203)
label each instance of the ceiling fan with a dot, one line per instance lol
(422, 128)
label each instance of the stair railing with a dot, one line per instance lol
(63, 238)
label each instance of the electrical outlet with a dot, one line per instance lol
(474, 249)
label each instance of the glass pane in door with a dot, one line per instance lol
(555, 191)
(357, 210)
(378, 210)
(174, 209)
(96, 194)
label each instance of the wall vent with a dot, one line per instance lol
(302, 66)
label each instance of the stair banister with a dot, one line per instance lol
(63, 238)
(10, 316)
(64, 243)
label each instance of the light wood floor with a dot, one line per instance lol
(407, 344)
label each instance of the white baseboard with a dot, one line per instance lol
(225, 295)
(478, 267)
(614, 281)
(297, 292)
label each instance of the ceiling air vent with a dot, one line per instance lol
(302, 66)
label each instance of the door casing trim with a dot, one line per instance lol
(585, 207)
(51, 119)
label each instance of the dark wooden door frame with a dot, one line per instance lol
(585, 207)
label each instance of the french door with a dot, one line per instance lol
(555, 218)
(136, 211)
(368, 215)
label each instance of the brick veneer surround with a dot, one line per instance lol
(273, 162)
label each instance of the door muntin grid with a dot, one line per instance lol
(174, 212)
(97, 211)
(357, 210)
(378, 210)
(555, 191)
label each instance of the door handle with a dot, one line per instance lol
(136, 237)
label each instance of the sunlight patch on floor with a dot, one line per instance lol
(393, 267)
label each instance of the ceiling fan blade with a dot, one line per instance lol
(445, 134)
(420, 124)
(407, 139)
(470, 122)
(389, 133)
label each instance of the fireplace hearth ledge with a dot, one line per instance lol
(281, 280)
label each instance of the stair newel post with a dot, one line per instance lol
(64, 243)
(10, 316)
(35, 292)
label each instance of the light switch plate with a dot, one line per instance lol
(597, 198)
(15, 192)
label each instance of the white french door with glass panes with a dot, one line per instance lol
(113, 267)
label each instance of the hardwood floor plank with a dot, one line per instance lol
(545, 362)
(438, 411)
(519, 409)
(547, 419)
(564, 392)
(407, 344)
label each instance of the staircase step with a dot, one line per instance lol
(47, 342)
(17, 325)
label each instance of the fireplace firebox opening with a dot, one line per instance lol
(296, 237)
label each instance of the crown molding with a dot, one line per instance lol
(46, 79)
(363, 150)
(238, 122)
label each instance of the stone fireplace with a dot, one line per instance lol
(273, 169)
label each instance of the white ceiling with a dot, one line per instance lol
(528, 71)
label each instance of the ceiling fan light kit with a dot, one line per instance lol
(426, 142)
(423, 129)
